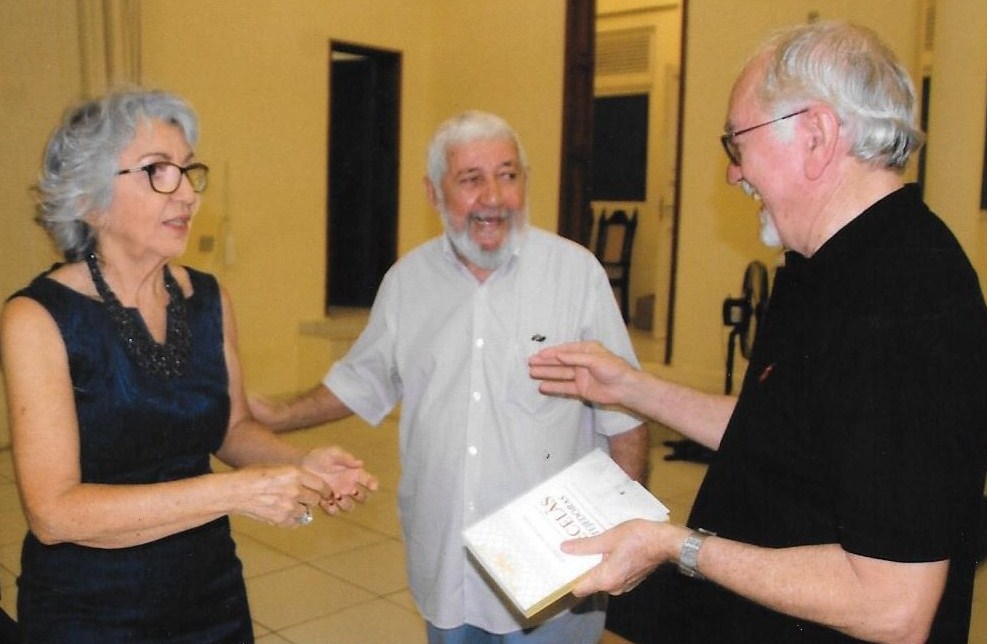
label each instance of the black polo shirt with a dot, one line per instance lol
(862, 419)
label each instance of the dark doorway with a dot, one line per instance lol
(619, 171)
(364, 117)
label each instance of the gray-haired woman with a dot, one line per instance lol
(122, 378)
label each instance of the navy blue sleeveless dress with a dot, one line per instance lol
(136, 428)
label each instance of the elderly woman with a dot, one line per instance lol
(122, 378)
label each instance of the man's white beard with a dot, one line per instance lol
(769, 232)
(469, 250)
(770, 236)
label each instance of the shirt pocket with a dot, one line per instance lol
(521, 389)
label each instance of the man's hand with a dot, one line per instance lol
(631, 551)
(583, 369)
(344, 474)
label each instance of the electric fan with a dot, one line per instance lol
(743, 314)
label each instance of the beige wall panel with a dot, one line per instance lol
(39, 76)
(958, 112)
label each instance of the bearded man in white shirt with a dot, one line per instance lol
(449, 337)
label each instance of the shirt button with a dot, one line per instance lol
(476, 395)
(479, 343)
(472, 451)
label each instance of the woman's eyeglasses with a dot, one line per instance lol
(165, 176)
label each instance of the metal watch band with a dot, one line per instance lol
(689, 555)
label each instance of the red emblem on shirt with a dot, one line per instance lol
(767, 372)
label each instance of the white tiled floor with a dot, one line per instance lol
(342, 580)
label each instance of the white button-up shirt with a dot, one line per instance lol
(474, 430)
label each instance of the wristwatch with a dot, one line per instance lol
(689, 555)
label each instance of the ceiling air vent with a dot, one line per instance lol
(929, 40)
(928, 44)
(626, 51)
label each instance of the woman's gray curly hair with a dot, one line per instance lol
(80, 160)
(847, 67)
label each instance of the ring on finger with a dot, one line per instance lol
(306, 518)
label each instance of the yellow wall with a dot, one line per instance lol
(38, 78)
(957, 123)
(262, 93)
(261, 90)
(505, 57)
(718, 229)
(256, 71)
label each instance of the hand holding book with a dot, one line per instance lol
(626, 563)
(519, 545)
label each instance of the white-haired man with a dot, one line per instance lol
(842, 503)
(449, 336)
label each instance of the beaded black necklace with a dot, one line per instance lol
(167, 360)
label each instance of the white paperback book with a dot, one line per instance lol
(519, 545)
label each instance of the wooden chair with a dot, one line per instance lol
(614, 242)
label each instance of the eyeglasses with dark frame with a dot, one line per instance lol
(733, 152)
(165, 176)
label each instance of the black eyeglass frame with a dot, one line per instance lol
(149, 168)
(733, 153)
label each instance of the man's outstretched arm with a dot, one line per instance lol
(314, 407)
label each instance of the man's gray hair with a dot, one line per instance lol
(849, 68)
(466, 127)
(80, 160)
